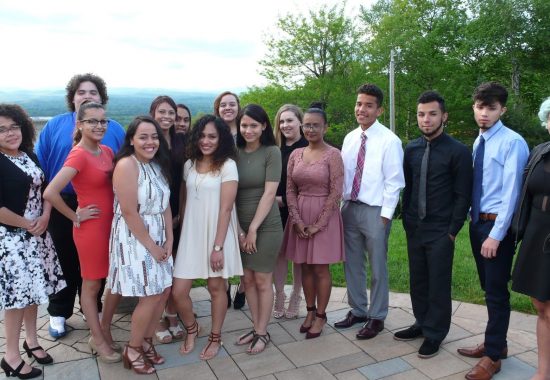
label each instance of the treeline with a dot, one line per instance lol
(447, 45)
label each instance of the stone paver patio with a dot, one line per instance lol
(337, 354)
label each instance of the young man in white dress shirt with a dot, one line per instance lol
(373, 178)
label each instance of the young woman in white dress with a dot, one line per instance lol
(209, 246)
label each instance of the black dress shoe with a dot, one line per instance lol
(35, 372)
(410, 333)
(370, 329)
(45, 360)
(429, 348)
(349, 321)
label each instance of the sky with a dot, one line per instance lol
(194, 45)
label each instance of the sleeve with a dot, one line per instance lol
(512, 176)
(292, 190)
(273, 164)
(229, 171)
(42, 146)
(407, 174)
(186, 168)
(394, 181)
(336, 182)
(76, 159)
(462, 188)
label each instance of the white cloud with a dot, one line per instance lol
(197, 45)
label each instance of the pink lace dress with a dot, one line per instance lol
(313, 196)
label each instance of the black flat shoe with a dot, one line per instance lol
(45, 360)
(35, 372)
(228, 292)
(239, 300)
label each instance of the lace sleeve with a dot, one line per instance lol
(336, 178)
(292, 190)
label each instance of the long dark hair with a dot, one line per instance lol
(257, 113)
(162, 157)
(226, 146)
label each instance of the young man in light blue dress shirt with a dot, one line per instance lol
(500, 155)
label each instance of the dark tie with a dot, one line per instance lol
(423, 182)
(356, 186)
(478, 179)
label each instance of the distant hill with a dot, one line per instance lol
(124, 103)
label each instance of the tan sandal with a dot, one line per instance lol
(279, 305)
(293, 306)
(176, 331)
(212, 338)
(193, 329)
(163, 336)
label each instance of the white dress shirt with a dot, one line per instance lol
(383, 169)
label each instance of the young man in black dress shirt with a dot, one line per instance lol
(436, 199)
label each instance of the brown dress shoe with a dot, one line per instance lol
(479, 351)
(370, 329)
(484, 369)
(349, 321)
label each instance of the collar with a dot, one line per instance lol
(492, 131)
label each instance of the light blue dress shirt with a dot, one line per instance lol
(506, 154)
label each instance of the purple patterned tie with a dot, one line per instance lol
(359, 168)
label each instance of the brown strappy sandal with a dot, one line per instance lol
(151, 353)
(212, 338)
(193, 329)
(140, 365)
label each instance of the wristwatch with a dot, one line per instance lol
(217, 248)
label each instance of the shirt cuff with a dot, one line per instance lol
(387, 212)
(497, 233)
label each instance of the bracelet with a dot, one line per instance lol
(77, 223)
(242, 234)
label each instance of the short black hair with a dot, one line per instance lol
(75, 82)
(489, 93)
(432, 96)
(373, 90)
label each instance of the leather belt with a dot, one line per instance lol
(487, 217)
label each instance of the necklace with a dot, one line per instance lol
(198, 185)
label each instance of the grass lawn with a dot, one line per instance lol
(465, 280)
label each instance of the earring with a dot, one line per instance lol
(80, 129)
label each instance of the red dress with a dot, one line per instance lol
(93, 185)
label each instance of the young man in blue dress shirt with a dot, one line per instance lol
(54, 144)
(500, 155)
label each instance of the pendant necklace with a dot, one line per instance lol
(198, 185)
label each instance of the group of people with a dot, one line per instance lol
(146, 211)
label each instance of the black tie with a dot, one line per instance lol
(423, 182)
(478, 179)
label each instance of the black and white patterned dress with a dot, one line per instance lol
(29, 268)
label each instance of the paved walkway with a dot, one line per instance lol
(334, 355)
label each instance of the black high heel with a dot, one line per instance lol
(45, 360)
(239, 300)
(35, 372)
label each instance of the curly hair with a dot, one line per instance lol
(372, 90)
(21, 118)
(162, 157)
(226, 146)
(544, 112)
(75, 82)
(280, 139)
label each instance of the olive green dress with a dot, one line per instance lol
(264, 164)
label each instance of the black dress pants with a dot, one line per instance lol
(430, 268)
(61, 230)
(494, 275)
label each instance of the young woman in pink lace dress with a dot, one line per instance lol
(314, 235)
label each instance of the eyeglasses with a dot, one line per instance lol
(312, 127)
(12, 128)
(95, 122)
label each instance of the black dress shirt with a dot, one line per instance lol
(449, 185)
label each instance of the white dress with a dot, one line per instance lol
(132, 270)
(200, 224)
